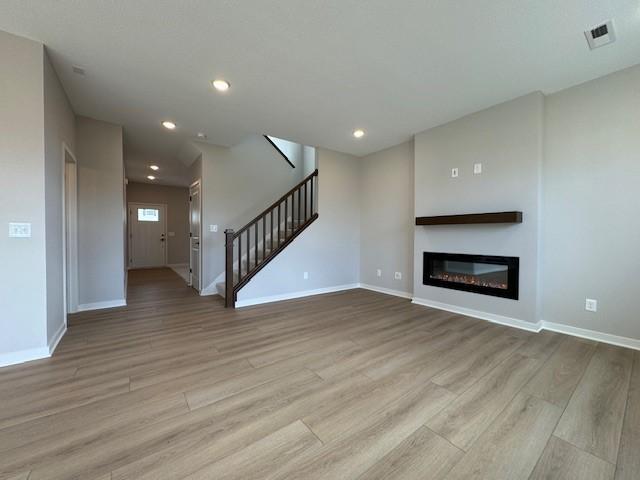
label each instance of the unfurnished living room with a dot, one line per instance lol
(340, 239)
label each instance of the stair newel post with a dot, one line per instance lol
(229, 297)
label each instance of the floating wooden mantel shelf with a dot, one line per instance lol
(471, 218)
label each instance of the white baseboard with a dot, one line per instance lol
(617, 340)
(502, 320)
(291, 296)
(22, 356)
(210, 290)
(611, 339)
(388, 291)
(100, 305)
(55, 340)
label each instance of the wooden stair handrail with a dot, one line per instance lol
(276, 203)
(299, 223)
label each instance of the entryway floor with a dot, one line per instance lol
(351, 385)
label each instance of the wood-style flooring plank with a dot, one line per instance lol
(562, 461)
(471, 413)
(263, 457)
(629, 455)
(593, 418)
(559, 376)
(511, 446)
(422, 453)
(353, 385)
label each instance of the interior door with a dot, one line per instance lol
(195, 208)
(147, 235)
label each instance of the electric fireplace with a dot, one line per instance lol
(484, 274)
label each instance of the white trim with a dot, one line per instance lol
(100, 305)
(292, 295)
(210, 290)
(69, 292)
(609, 338)
(199, 237)
(55, 340)
(22, 356)
(510, 322)
(388, 291)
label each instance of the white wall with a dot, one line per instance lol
(507, 140)
(329, 250)
(22, 199)
(238, 183)
(101, 219)
(387, 218)
(59, 127)
(591, 205)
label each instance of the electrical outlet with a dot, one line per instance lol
(379, 272)
(398, 276)
(591, 305)
(477, 168)
(213, 228)
(20, 230)
(454, 172)
(305, 275)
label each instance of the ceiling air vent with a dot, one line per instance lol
(600, 35)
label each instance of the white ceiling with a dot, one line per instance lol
(312, 71)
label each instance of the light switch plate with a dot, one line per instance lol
(398, 276)
(454, 172)
(19, 230)
(379, 272)
(477, 168)
(591, 305)
(172, 234)
(305, 275)
(213, 228)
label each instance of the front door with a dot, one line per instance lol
(194, 229)
(147, 235)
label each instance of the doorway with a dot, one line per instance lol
(147, 235)
(195, 232)
(69, 230)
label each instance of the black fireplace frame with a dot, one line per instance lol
(513, 273)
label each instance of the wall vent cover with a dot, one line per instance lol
(600, 35)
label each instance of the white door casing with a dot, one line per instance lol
(69, 230)
(147, 235)
(195, 232)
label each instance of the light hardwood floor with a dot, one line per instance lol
(353, 385)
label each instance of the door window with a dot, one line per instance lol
(148, 215)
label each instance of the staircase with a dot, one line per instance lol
(252, 247)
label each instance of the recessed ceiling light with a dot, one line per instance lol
(201, 135)
(154, 167)
(169, 125)
(221, 85)
(151, 177)
(358, 133)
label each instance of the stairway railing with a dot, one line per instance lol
(253, 246)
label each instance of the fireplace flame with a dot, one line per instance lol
(469, 280)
